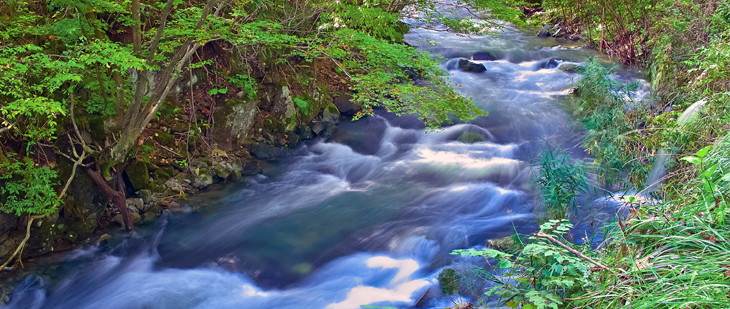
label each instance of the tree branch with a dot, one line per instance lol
(573, 251)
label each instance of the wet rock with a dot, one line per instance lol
(233, 122)
(574, 91)
(284, 104)
(292, 140)
(471, 138)
(138, 175)
(544, 32)
(549, 64)
(570, 68)
(331, 114)
(251, 168)
(484, 55)
(325, 129)
(462, 306)
(265, 151)
(103, 238)
(134, 218)
(165, 139)
(468, 66)
(344, 105)
(304, 132)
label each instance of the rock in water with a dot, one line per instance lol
(549, 64)
(468, 66)
(345, 105)
(331, 114)
(471, 138)
(544, 32)
(485, 55)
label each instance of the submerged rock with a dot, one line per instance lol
(468, 66)
(471, 138)
(484, 55)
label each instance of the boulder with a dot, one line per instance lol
(304, 132)
(151, 214)
(292, 140)
(483, 55)
(133, 218)
(232, 123)
(468, 66)
(544, 32)
(570, 68)
(284, 104)
(138, 175)
(265, 151)
(344, 105)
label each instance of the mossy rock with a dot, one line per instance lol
(164, 138)
(161, 175)
(3, 158)
(168, 169)
(471, 138)
(449, 282)
(138, 175)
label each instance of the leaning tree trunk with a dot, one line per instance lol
(118, 198)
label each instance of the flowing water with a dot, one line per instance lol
(366, 219)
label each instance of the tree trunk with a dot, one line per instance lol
(118, 198)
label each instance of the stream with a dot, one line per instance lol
(368, 218)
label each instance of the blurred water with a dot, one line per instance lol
(367, 219)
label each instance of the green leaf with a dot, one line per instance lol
(703, 152)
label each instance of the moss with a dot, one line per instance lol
(138, 175)
(332, 109)
(96, 125)
(166, 139)
(449, 282)
(161, 175)
(3, 158)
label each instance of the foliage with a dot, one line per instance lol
(301, 104)
(28, 188)
(552, 272)
(560, 180)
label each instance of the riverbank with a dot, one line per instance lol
(667, 245)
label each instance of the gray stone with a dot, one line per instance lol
(468, 66)
(304, 132)
(284, 104)
(135, 205)
(233, 122)
(265, 151)
(331, 114)
(544, 32)
(198, 164)
(146, 196)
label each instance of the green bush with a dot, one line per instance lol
(28, 188)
